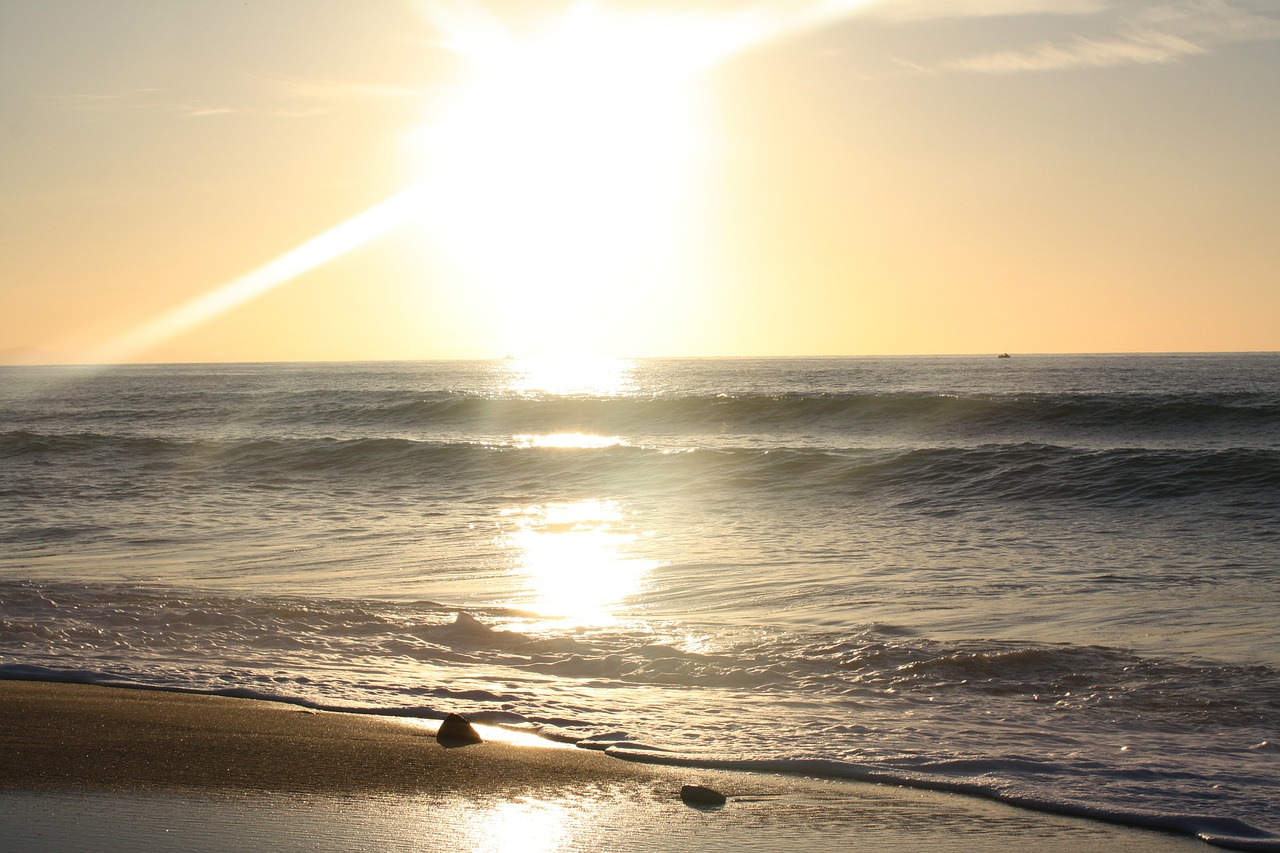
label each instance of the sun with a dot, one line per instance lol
(561, 173)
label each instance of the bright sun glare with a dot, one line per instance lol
(561, 170)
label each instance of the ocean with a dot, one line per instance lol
(1051, 580)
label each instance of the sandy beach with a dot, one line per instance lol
(106, 768)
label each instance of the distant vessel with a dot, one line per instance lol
(1004, 355)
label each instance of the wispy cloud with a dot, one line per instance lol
(927, 10)
(1150, 34)
(202, 111)
(270, 97)
(1137, 49)
(157, 101)
(333, 91)
(100, 101)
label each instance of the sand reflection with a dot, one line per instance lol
(575, 558)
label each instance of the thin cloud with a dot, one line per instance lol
(200, 111)
(928, 10)
(1219, 20)
(1139, 49)
(154, 101)
(1156, 34)
(270, 98)
(101, 101)
(334, 91)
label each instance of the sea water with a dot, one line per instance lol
(1053, 580)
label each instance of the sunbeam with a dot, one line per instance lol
(337, 241)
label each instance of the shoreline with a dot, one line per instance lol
(253, 766)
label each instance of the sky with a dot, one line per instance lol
(276, 180)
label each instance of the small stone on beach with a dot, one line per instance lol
(701, 795)
(456, 729)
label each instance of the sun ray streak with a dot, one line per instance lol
(335, 242)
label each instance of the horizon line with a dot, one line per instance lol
(812, 356)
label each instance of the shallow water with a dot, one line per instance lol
(1052, 579)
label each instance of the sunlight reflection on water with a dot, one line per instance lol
(566, 375)
(569, 440)
(574, 559)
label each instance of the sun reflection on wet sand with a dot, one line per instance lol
(525, 824)
(574, 560)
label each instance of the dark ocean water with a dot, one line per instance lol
(1051, 579)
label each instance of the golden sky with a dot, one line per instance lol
(409, 179)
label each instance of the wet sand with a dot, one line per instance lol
(107, 768)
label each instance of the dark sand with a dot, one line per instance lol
(108, 768)
(76, 737)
